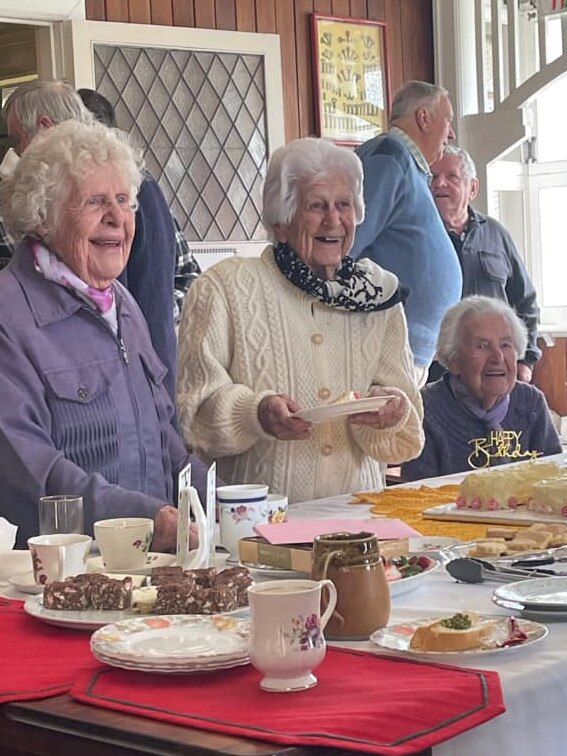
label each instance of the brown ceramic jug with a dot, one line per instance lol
(352, 561)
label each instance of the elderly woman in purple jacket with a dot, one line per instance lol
(83, 410)
(477, 415)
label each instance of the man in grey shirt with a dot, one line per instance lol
(488, 256)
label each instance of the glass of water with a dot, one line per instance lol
(61, 514)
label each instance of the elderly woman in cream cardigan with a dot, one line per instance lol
(263, 338)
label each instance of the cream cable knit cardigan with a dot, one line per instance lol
(247, 332)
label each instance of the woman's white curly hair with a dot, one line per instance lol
(48, 172)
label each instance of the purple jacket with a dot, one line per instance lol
(82, 411)
(456, 441)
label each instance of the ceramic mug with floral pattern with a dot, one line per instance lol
(58, 556)
(124, 542)
(240, 509)
(286, 631)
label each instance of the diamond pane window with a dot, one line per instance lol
(200, 118)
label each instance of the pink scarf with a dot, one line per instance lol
(54, 269)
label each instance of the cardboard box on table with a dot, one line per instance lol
(298, 556)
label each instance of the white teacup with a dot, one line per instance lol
(240, 508)
(286, 631)
(124, 542)
(58, 556)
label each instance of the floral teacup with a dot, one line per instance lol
(286, 631)
(124, 542)
(240, 509)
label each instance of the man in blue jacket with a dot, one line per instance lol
(402, 230)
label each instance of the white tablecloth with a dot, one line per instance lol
(534, 678)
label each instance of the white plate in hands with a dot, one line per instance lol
(328, 412)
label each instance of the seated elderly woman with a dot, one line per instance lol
(477, 415)
(264, 338)
(84, 410)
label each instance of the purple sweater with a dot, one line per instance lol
(451, 433)
(81, 412)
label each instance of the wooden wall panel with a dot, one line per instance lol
(550, 374)
(324, 7)
(409, 36)
(95, 10)
(117, 10)
(183, 13)
(358, 9)
(225, 15)
(417, 34)
(162, 13)
(205, 14)
(303, 11)
(285, 24)
(139, 12)
(245, 16)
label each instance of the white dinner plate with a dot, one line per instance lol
(327, 412)
(517, 608)
(549, 593)
(407, 584)
(25, 583)
(397, 638)
(174, 643)
(92, 619)
(154, 559)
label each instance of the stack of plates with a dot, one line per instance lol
(174, 644)
(541, 597)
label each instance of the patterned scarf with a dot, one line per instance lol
(54, 269)
(357, 287)
(492, 417)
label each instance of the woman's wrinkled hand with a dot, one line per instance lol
(274, 414)
(385, 417)
(165, 529)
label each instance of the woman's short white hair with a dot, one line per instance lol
(451, 331)
(55, 159)
(304, 161)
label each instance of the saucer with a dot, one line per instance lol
(153, 559)
(25, 583)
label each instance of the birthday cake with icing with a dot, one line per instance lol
(550, 495)
(504, 487)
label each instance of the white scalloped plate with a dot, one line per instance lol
(397, 638)
(174, 643)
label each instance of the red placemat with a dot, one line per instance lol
(38, 660)
(363, 702)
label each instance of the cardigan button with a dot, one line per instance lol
(317, 338)
(82, 392)
(326, 450)
(324, 393)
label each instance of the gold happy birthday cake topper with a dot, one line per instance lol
(499, 444)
